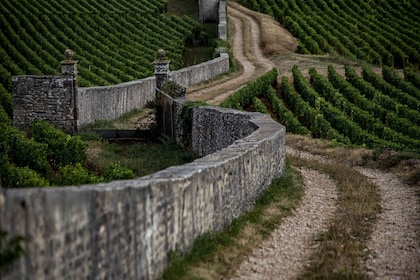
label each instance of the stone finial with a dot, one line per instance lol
(68, 54)
(69, 66)
(161, 54)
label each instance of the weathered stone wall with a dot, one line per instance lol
(222, 26)
(50, 98)
(208, 10)
(125, 229)
(202, 72)
(216, 129)
(110, 102)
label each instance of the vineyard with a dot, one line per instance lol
(114, 41)
(378, 32)
(353, 110)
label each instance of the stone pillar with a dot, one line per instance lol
(161, 69)
(69, 67)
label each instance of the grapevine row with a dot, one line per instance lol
(115, 41)
(309, 116)
(354, 96)
(366, 30)
(392, 78)
(385, 101)
(336, 117)
(362, 118)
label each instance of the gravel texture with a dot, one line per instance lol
(285, 254)
(394, 251)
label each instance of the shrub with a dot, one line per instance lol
(76, 175)
(23, 177)
(116, 171)
(62, 149)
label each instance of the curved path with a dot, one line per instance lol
(248, 54)
(394, 250)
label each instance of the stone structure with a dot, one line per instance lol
(208, 10)
(222, 26)
(125, 229)
(50, 98)
(60, 101)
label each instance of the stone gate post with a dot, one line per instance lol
(161, 69)
(69, 67)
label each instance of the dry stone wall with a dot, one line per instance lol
(125, 229)
(51, 98)
(208, 10)
(110, 102)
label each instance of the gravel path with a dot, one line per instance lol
(394, 245)
(284, 255)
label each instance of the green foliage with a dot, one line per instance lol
(412, 76)
(23, 151)
(75, 175)
(376, 32)
(11, 249)
(116, 171)
(259, 106)
(111, 48)
(284, 115)
(6, 101)
(388, 103)
(62, 149)
(388, 89)
(173, 89)
(392, 78)
(245, 96)
(308, 116)
(23, 177)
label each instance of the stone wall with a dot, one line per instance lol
(208, 10)
(50, 98)
(125, 229)
(110, 102)
(202, 72)
(222, 26)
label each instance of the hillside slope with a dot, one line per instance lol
(387, 238)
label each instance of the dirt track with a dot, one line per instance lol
(394, 250)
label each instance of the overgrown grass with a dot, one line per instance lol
(113, 123)
(215, 255)
(142, 158)
(343, 246)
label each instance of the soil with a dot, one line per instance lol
(258, 44)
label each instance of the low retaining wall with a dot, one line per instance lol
(125, 229)
(110, 102)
